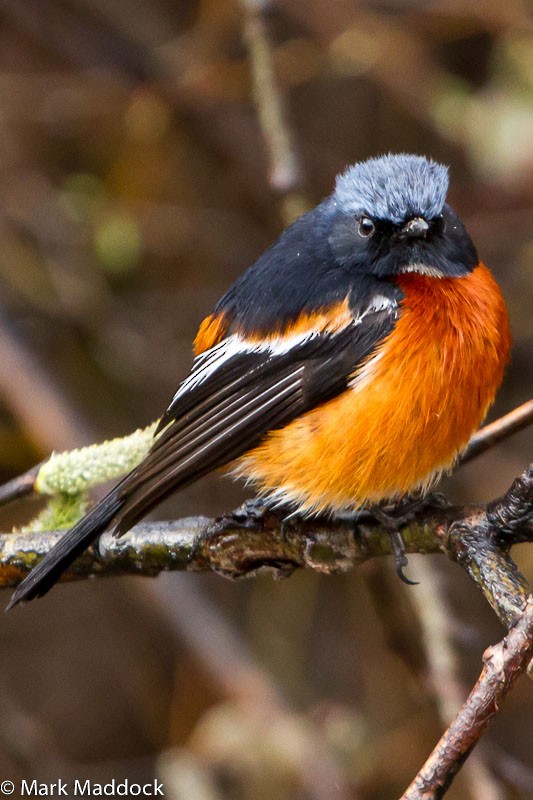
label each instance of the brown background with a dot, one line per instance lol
(134, 189)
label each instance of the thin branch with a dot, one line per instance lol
(480, 544)
(500, 429)
(442, 670)
(235, 546)
(21, 486)
(253, 538)
(503, 664)
(284, 172)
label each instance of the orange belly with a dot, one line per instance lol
(411, 408)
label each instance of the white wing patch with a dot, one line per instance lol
(379, 303)
(213, 359)
(207, 363)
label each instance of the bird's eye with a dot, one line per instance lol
(366, 227)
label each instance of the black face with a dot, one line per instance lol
(440, 247)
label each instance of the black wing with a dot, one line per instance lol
(234, 395)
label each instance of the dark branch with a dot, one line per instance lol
(503, 664)
(497, 431)
(21, 486)
(511, 514)
(254, 538)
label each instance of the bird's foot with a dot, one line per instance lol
(250, 514)
(255, 511)
(392, 523)
(393, 515)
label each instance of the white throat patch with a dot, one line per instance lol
(422, 269)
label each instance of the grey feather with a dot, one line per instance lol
(393, 187)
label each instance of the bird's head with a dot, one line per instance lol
(391, 217)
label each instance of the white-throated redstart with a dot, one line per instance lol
(349, 365)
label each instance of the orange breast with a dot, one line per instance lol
(411, 408)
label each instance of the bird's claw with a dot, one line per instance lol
(391, 525)
(400, 559)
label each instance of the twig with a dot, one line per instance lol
(74, 472)
(445, 685)
(21, 486)
(235, 546)
(284, 172)
(497, 431)
(503, 664)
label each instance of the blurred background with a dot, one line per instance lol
(142, 169)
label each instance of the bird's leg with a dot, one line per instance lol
(393, 516)
(392, 523)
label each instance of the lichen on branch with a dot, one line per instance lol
(76, 471)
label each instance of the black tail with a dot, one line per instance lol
(69, 547)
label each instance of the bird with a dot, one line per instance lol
(346, 368)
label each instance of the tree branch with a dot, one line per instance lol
(237, 545)
(285, 174)
(253, 538)
(441, 677)
(497, 431)
(503, 664)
